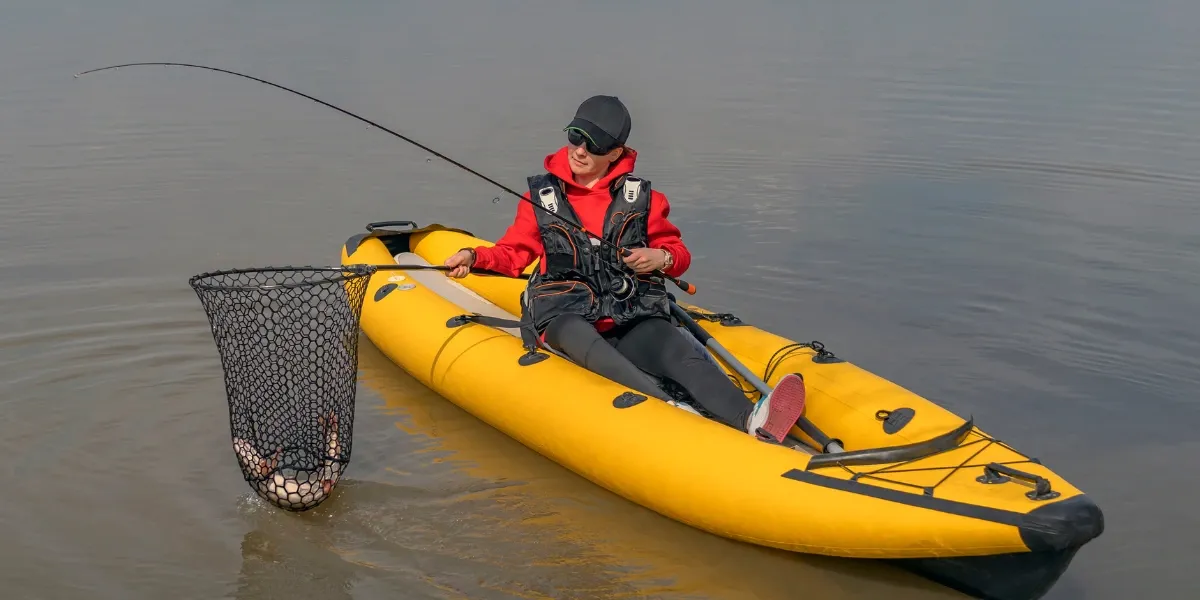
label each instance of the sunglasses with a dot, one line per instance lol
(579, 137)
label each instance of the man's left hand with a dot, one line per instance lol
(645, 260)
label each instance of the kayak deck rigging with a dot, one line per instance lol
(994, 472)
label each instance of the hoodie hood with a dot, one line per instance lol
(559, 165)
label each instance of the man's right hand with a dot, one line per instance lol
(460, 263)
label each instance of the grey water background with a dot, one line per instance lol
(993, 204)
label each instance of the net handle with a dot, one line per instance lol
(347, 273)
(355, 271)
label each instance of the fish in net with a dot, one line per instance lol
(288, 343)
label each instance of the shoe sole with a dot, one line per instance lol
(787, 404)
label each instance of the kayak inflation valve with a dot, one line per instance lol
(288, 343)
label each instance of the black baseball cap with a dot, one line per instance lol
(605, 120)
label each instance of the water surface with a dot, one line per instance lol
(992, 204)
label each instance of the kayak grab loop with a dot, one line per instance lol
(894, 420)
(994, 473)
(821, 356)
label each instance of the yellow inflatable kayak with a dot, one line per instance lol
(876, 471)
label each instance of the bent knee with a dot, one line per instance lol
(564, 327)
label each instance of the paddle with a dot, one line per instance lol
(826, 444)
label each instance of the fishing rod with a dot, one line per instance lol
(683, 285)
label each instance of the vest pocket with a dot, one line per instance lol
(554, 298)
(651, 296)
(650, 287)
(561, 247)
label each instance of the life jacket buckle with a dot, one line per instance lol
(548, 199)
(633, 188)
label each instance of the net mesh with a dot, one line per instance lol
(288, 343)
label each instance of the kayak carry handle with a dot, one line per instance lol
(998, 473)
(372, 226)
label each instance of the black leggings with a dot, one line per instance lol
(652, 345)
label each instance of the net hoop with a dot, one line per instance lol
(348, 273)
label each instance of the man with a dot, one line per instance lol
(603, 310)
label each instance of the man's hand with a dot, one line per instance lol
(645, 260)
(460, 263)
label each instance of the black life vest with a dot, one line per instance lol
(582, 276)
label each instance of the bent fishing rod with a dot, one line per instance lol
(683, 285)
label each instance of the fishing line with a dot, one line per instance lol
(683, 285)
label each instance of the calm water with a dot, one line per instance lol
(990, 203)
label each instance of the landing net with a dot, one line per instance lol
(288, 343)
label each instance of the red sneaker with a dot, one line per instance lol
(773, 417)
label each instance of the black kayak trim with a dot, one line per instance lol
(895, 454)
(1056, 526)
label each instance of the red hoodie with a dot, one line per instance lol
(521, 244)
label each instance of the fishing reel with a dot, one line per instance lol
(620, 283)
(622, 287)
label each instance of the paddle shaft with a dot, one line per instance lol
(826, 444)
(683, 285)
